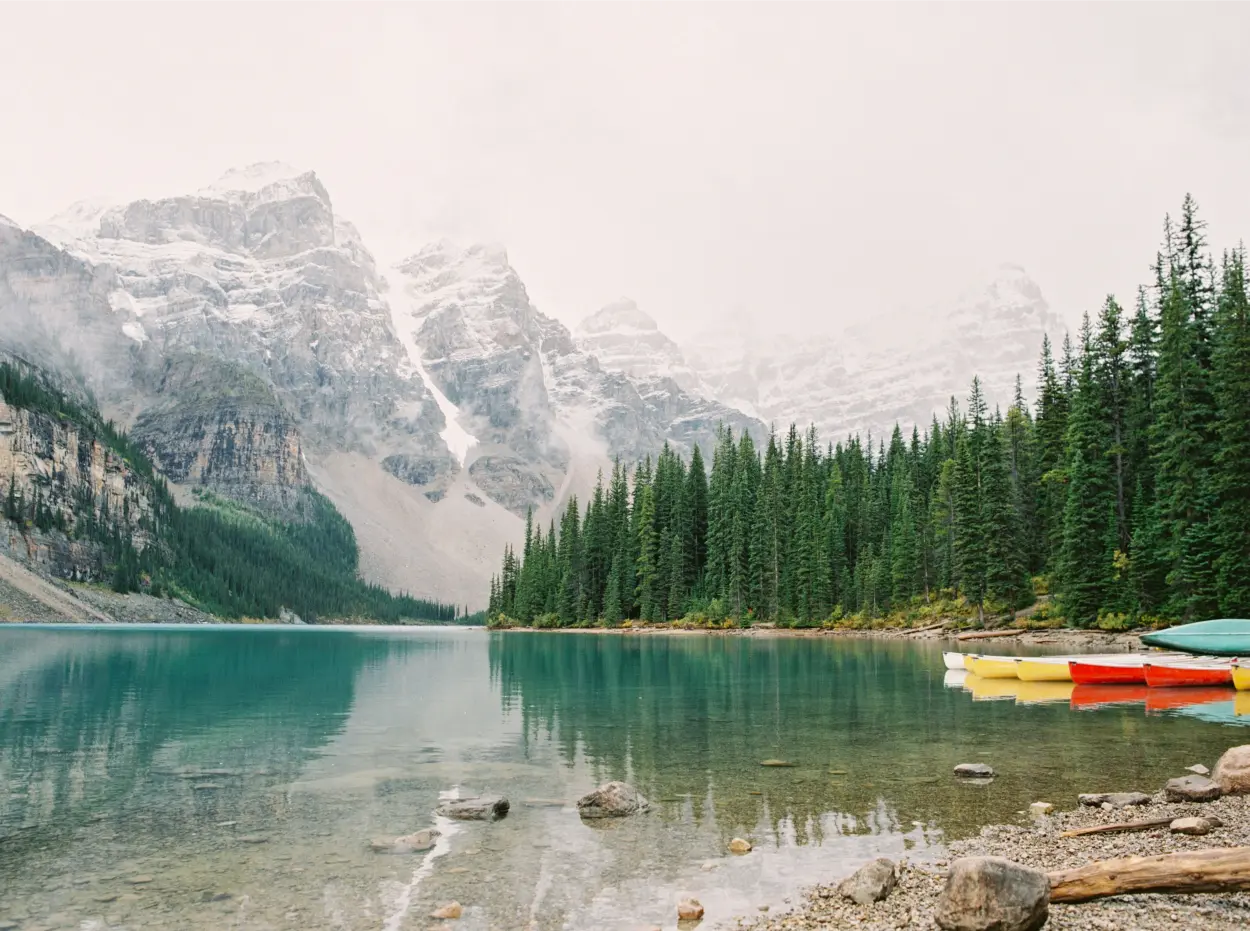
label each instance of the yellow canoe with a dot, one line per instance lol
(1241, 677)
(991, 689)
(1036, 692)
(1041, 669)
(993, 667)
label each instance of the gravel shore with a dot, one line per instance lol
(1036, 843)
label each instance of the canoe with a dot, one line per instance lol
(1241, 677)
(1044, 669)
(1241, 704)
(993, 667)
(1098, 696)
(1107, 672)
(1116, 668)
(1177, 673)
(954, 660)
(1223, 637)
(1038, 692)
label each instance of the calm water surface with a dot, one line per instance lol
(216, 778)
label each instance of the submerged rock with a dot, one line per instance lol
(612, 800)
(449, 911)
(485, 808)
(1232, 772)
(738, 845)
(993, 894)
(1114, 799)
(409, 843)
(775, 763)
(1199, 769)
(872, 882)
(1038, 809)
(689, 910)
(1192, 789)
(974, 771)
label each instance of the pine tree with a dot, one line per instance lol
(1007, 577)
(1231, 368)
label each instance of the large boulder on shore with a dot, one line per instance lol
(872, 882)
(1232, 772)
(485, 808)
(993, 894)
(1192, 789)
(612, 800)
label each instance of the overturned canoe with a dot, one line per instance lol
(1043, 669)
(1224, 637)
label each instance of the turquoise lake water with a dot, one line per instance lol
(209, 778)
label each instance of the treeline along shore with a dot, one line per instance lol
(1122, 494)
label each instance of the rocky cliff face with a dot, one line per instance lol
(216, 425)
(70, 476)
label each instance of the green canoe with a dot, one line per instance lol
(1225, 637)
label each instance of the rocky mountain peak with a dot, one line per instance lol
(620, 316)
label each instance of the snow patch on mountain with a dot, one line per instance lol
(404, 319)
(626, 339)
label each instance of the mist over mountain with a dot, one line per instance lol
(253, 345)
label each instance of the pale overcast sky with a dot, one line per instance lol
(807, 164)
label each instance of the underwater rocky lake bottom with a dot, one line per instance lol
(233, 777)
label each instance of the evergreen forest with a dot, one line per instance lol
(1122, 494)
(219, 556)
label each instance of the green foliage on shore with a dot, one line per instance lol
(1125, 489)
(220, 556)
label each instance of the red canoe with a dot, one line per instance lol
(1164, 675)
(1115, 672)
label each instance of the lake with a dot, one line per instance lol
(203, 778)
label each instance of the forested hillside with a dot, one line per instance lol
(1124, 491)
(219, 556)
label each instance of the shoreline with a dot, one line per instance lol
(1036, 842)
(1111, 641)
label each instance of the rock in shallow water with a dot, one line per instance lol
(1232, 772)
(409, 843)
(1192, 789)
(448, 912)
(486, 808)
(1199, 769)
(1037, 809)
(689, 910)
(993, 894)
(870, 883)
(612, 800)
(738, 845)
(974, 771)
(1114, 799)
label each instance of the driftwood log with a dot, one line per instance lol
(1120, 827)
(921, 630)
(986, 634)
(1223, 869)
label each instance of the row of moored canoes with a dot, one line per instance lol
(1157, 670)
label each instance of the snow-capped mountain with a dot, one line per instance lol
(540, 409)
(895, 370)
(625, 339)
(252, 343)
